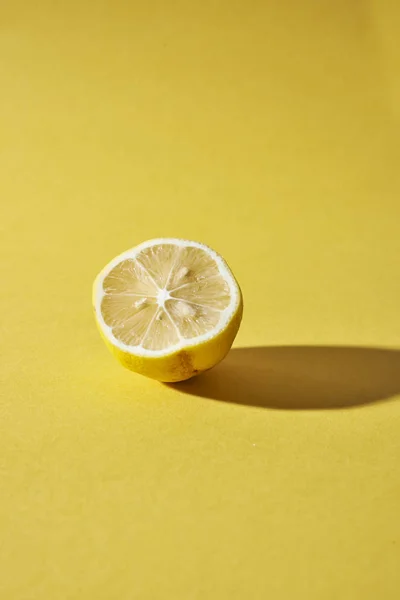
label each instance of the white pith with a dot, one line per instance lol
(162, 297)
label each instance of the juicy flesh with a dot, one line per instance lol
(164, 295)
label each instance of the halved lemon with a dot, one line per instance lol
(168, 308)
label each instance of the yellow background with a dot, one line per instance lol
(269, 130)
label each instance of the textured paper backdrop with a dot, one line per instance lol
(270, 131)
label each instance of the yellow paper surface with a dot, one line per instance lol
(270, 131)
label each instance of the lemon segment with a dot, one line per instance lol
(168, 308)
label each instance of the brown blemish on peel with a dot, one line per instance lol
(186, 365)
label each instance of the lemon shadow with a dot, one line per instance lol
(300, 377)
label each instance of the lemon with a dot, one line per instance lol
(168, 308)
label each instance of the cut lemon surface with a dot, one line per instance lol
(168, 308)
